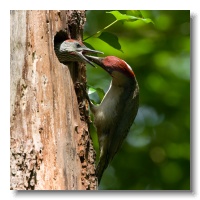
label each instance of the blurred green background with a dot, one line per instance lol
(156, 153)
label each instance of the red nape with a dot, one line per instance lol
(118, 64)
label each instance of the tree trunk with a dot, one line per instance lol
(50, 144)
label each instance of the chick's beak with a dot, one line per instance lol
(87, 50)
(96, 60)
(83, 54)
(84, 58)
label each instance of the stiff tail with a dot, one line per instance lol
(102, 165)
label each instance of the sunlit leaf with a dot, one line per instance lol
(130, 18)
(91, 90)
(99, 91)
(89, 45)
(135, 13)
(147, 20)
(110, 39)
(123, 17)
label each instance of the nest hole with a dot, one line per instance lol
(60, 37)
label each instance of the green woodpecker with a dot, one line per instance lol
(73, 50)
(117, 111)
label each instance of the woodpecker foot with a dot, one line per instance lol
(79, 85)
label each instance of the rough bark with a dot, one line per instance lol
(50, 144)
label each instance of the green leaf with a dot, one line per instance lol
(135, 13)
(91, 90)
(99, 91)
(120, 16)
(89, 45)
(147, 20)
(130, 18)
(110, 39)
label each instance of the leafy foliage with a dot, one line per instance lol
(156, 152)
(133, 15)
(110, 38)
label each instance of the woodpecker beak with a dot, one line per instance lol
(83, 51)
(97, 60)
(87, 50)
(83, 57)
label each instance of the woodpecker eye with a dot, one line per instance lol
(78, 45)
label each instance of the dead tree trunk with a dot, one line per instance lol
(49, 140)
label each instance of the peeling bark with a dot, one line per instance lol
(51, 148)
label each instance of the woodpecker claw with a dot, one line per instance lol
(79, 85)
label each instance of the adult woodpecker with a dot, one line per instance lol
(117, 111)
(73, 50)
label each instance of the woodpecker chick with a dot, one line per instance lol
(117, 111)
(73, 50)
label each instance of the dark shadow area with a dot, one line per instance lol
(60, 37)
